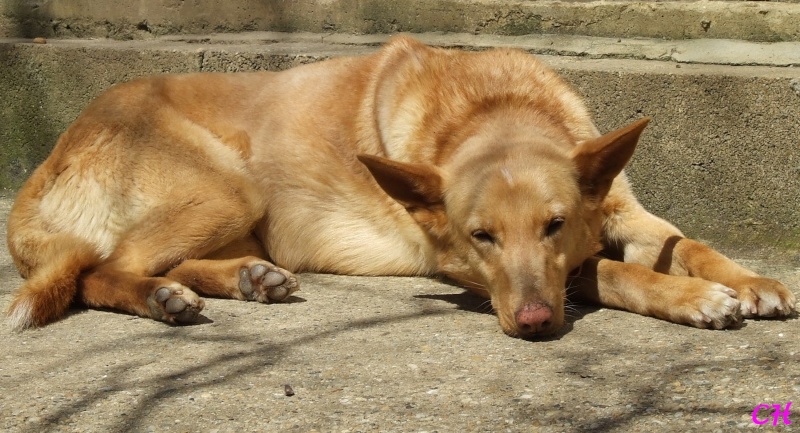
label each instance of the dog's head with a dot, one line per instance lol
(512, 223)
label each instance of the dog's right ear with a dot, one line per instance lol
(414, 186)
(600, 160)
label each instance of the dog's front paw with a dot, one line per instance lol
(175, 303)
(764, 297)
(711, 306)
(264, 282)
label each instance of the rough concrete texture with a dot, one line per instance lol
(702, 51)
(756, 21)
(391, 355)
(720, 159)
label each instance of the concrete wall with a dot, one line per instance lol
(721, 158)
(137, 19)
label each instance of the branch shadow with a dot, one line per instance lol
(646, 401)
(236, 363)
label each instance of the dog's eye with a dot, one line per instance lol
(482, 236)
(555, 225)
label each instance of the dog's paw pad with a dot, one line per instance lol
(175, 304)
(716, 307)
(264, 282)
(765, 297)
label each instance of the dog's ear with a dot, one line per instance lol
(600, 160)
(412, 185)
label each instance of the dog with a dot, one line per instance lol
(483, 167)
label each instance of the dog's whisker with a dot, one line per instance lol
(473, 284)
(571, 311)
(486, 307)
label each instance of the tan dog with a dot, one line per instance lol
(484, 167)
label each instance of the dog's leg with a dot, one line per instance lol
(633, 287)
(645, 239)
(759, 296)
(153, 297)
(193, 227)
(237, 271)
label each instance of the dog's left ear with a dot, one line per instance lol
(600, 160)
(415, 186)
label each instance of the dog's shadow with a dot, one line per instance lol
(468, 301)
(464, 301)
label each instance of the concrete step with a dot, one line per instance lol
(720, 159)
(143, 19)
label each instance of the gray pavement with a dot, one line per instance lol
(392, 355)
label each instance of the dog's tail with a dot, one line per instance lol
(51, 263)
(50, 289)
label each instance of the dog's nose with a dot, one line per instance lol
(533, 318)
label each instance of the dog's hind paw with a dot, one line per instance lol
(764, 297)
(264, 282)
(175, 303)
(715, 307)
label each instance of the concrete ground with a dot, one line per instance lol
(391, 355)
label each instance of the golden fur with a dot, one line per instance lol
(484, 167)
